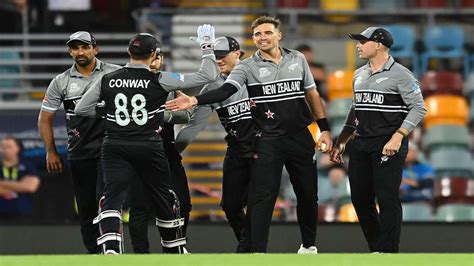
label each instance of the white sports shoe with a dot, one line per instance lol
(110, 252)
(185, 251)
(311, 250)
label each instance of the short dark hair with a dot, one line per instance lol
(266, 19)
(337, 166)
(304, 48)
(18, 143)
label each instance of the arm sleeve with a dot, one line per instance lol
(207, 72)
(308, 79)
(189, 132)
(218, 95)
(238, 76)
(350, 118)
(177, 117)
(53, 98)
(410, 91)
(86, 106)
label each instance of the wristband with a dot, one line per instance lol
(401, 133)
(323, 124)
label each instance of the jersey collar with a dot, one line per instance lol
(283, 52)
(385, 67)
(137, 66)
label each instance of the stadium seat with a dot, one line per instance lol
(336, 126)
(326, 213)
(453, 189)
(446, 110)
(404, 43)
(339, 108)
(467, 3)
(346, 5)
(440, 136)
(386, 4)
(9, 69)
(339, 85)
(452, 161)
(455, 213)
(469, 85)
(442, 82)
(347, 213)
(417, 212)
(293, 3)
(444, 42)
(432, 3)
(324, 193)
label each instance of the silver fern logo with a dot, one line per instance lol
(383, 159)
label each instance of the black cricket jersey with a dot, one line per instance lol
(385, 100)
(276, 92)
(134, 104)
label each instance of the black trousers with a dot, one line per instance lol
(235, 182)
(88, 184)
(143, 160)
(373, 176)
(296, 152)
(140, 210)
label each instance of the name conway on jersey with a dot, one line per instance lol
(276, 92)
(134, 106)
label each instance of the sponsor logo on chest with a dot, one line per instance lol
(369, 97)
(281, 87)
(238, 108)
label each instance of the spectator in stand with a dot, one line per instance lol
(317, 69)
(417, 178)
(338, 183)
(18, 180)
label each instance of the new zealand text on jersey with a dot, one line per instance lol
(281, 87)
(238, 108)
(129, 83)
(368, 97)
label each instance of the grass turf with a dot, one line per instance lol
(418, 259)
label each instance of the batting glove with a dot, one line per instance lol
(205, 37)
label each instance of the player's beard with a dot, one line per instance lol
(83, 61)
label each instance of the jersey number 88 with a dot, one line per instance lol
(139, 113)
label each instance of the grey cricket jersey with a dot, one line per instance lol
(234, 115)
(276, 92)
(385, 100)
(84, 133)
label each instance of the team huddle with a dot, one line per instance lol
(120, 135)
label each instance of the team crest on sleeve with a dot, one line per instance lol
(264, 72)
(358, 80)
(416, 87)
(177, 76)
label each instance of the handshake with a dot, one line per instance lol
(205, 37)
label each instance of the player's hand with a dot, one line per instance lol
(54, 163)
(393, 145)
(337, 152)
(205, 37)
(181, 102)
(156, 64)
(325, 142)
